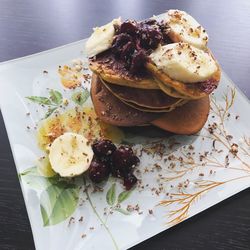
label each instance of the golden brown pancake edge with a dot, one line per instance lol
(190, 90)
(187, 119)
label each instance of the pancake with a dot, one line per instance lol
(145, 109)
(152, 99)
(191, 90)
(112, 70)
(111, 110)
(171, 91)
(187, 119)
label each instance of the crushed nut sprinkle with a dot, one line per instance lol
(234, 149)
(83, 235)
(150, 211)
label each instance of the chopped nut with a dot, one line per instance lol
(83, 235)
(234, 149)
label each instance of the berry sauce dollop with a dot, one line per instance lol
(120, 162)
(134, 41)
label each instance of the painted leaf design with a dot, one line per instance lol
(33, 178)
(110, 197)
(124, 195)
(80, 97)
(58, 202)
(56, 96)
(49, 112)
(122, 211)
(40, 100)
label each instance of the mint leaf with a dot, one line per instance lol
(122, 211)
(40, 100)
(80, 97)
(58, 202)
(110, 196)
(56, 96)
(124, 195)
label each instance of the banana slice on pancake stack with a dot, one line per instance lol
(158, 71)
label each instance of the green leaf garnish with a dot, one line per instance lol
(124, 195)
(80, 97)
(110, 197)
(40, 100)
(56, 96)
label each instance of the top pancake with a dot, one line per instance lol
(114, 71)
(192, 91)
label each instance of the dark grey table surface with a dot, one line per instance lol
(30, 26)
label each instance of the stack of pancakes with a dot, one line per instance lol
(121, 98)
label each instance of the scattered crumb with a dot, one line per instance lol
(234, 149)
(71, 220)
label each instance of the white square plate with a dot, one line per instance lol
(180, 175)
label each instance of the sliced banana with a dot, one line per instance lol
(70, 155)
(102, 38)
(184, 28)
(183, 62)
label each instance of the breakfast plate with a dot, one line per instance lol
(178, 176)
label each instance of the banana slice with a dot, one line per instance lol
(102, 38)
(184, 28)
(70, 155)
(183, 62)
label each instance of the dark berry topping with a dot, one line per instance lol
(120, 162)
(129, 181)
(135, 160)
(130, 27)
(138, 61)
(150, 37)
(208, 86)
(135, 40)
(103, 148)
(123, 160)
(98, 171)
